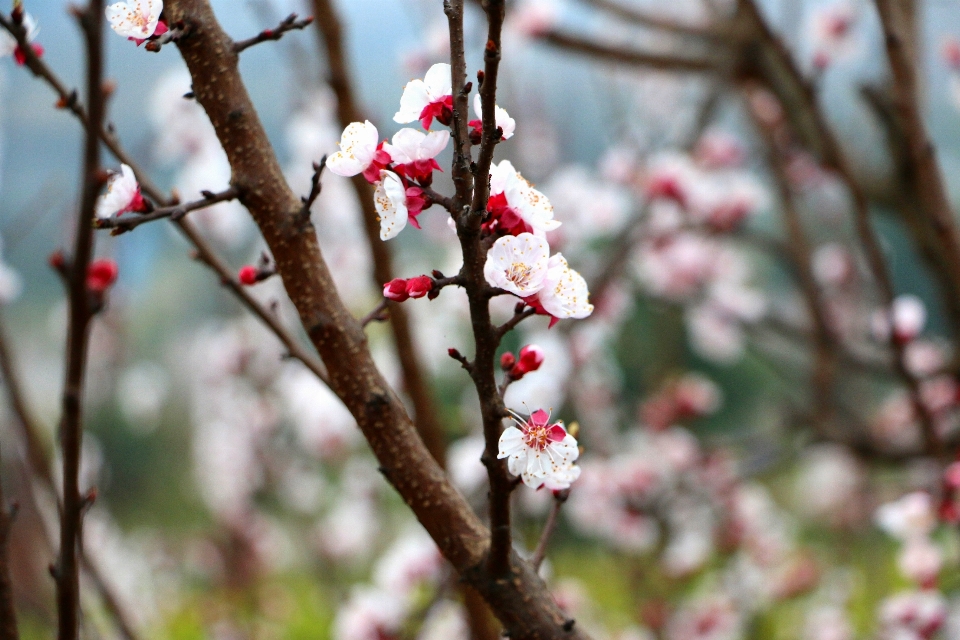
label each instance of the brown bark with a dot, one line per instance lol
(520, 599)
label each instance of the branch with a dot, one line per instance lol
(378, 314)
(655, 61)
(290, 23)
(67, 573)
(559, 497)
(174, 212)
(415, 379)
(650, 20)
(519, 315)
(315, 188)
(8, 612)
(521, 600)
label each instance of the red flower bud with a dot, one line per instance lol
(419, 286)
(507, 360)
(396, 290)
(248, 274)
(101, 274)
(531, 357)
(56, 260)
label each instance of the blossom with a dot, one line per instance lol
(504, 122)
(540, 452)
(123, 195)
(137, 19)
(359, 153)
(909, 517)
(414, 152)
(564, 293)
(10, 46)
(913, 614)
(515, 206)
(427, 99)
(518, 264)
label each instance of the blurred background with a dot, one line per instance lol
(724, 495)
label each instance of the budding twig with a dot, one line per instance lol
(520, 314)
(559, 497)
(378, 314)
(315, 188)
(174, 212)
(290, 23)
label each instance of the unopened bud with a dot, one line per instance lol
(396, 290)
(101, 274)
(531, 357)
(57, 261)
(247, 275)
(419, 286)
(507, 360)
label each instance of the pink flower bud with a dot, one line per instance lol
(531, 357)
(507, 360)
(248, 275)
(419, 286)
(396, 290)
(101, 274)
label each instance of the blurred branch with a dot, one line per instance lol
(290, 23)
(415, 379)
(8, 612)
(630, 57)
(559, 497)
(650, 20)
(520, 599)
(81, 311)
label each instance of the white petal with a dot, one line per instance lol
(438, 81)
(133, 19)
(405, 145)
(358, 144)
(121, 190)
(510, 440)
(517, 264)
(390, 200)
(500, 176)
(564, 293)
(537, 211)
(412, 102)
(435, 142)
(503, 120)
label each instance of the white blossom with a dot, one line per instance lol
(123, 194)
(506, 124)
(518, 264)
(358, 146)
(418, 94)
(390, 199)
(135, 19)
(540, 452)
(564, 293)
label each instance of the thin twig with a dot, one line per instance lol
(519, 316)
(67, 573)
(378, 314)
(644, 59)
(559, 497)
(315, 188)
(290, 23)
(174, 212)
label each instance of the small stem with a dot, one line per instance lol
(174, 212)
(377, 315)
(559, 497)
(289, 23)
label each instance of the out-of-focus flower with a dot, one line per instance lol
(369, 614)
(359, 152)
(831, 33)
(540, 452)
(427, 99)
(904, 321)
(911, 516)
(912, 615)
(122, 196)
(920, 561)
(10, 46)
(136, 19)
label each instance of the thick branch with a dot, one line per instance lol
(521, 600)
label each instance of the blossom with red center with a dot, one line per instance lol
(541, 452)
(504, 122)
(515, 206)
(414, 153)
(397, 203)
(122, 196)
(427, 99)
(10, 46)
(359, 152)
(138, 20)
(101, 274)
